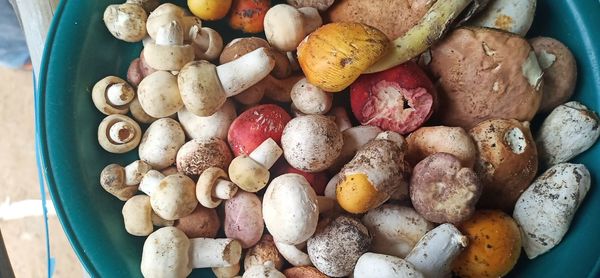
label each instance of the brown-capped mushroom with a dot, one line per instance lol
(241, 46)
(159, 95)
(137, 215)
(264, 251)
(119, 134)
(275, 89)
(286, 26)
(112, 179)
(126, 21)
(202, 222)
(198, 155)
(207, 43)
(172, 197)
(213, 126)
(112, 95)
(321, 5)
(309, 99)
(168, 51)
(160, 143)
(213, 187)
(251, 172)
(426, 141)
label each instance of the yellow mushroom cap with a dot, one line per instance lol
(356, 194)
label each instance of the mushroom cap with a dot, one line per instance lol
(243, 218)
(202, 222)
(138, 113)
(126, 21)
(215, 125)
(241, 46)
(175, 197)
(115, 147)
(290, 209)
(205, 185)
(198, 155)
(162, 15)
(284, 27)
(160, 143)
(309, 99)
(159, 95)
(426, 141)
(168, 57)
(148, 5)
(201, 89)
(264, 251)
(207, 43)
(165, 254)
(248, 174)
(137, 215)
(321, 5)
(263, 271)
(303, 272)
(100, 97)
(311, 143)
(112, 179)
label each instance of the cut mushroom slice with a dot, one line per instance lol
(119, 134)
(251, 172)
(213, 187)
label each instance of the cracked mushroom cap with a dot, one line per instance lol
(200, 154)
(483, 74)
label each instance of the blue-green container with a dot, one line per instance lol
(80, 51)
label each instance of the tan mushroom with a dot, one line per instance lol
(112, 95)
(160, 143)
(148, 5)
(264, 251)
(126, 21)
(213, 187)
(138, 113)
(207, 43)
(168, 51)
(202, 222)
(163, 15)
(251, 172)
(172, 197)
(137, 215)
(112, 179)
(286, 26)
(119, 134)
(159, 95)
(198, 155)
(227, 271)
(276, 89)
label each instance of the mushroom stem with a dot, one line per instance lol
(224, 189)
(238, 75)
(341, 118)
(325, 204)
(267, 153)
(293, 254)
(209, 252)
(150, 182)
(135, 171)
(170, 34)
(119, 94)
(121, 132)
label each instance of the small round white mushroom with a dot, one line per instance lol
(160, 143)
(163, 15)
(214, 126)
(290, 209)
(266, 270)
(112, 179)
(137, 215)
(119, 134)
(251, 172)
(168, 52)
(172, 197)
(198, 155)
(207, 43)
(384, 266)
(213, 187)
(112, 95)
(309, 99)
(286, 26)
(205, 87)
(159, 95)
(126, 21)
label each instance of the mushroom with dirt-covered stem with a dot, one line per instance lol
(251, 172)
(160, 143)
(168, 252)
(198, 155)
(168, 51)
(126, 21)
(158, 94)
(112, 95)
(137, 215)
(213, 187)
(286, 26)
(213, 126)
(119, 134)
(172, 197)
(205, 87)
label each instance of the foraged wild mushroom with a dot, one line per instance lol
(112, 179)
(137, 215)
(159, 95)
(119, 134)
(244, 218)
(286, 26)
(168, 51)
(354, 138)
(251, 172)
(241, 46)
(205, 87)
(138, 70)
(126, 21)
(197, 155)
(161, 142)
(172, 197)
(202, 222)
(309, 99)
(213, 187)
(429, 140)
(311, 143)
(164, 15)
(227, 271)
(384, 266)
(317, 180)
(213, 126)
(290, 209)
(515, 16)
(207, 43)
(169, 253)
(112, 95)
(264, 251)
(278, 90)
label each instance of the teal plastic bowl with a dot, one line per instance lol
(80, 51)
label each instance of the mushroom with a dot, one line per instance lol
(198, 155)
(112, 179)
(317, 180)
(434, 253)
(336, 247)
(275, 89)
(207, 43)
(213, 187)
(309, 99)
(396, 229)
(168, 51)
(202, 222)
(205, 87)
(112, 95)
(160, 222)
(311, 143)
(164, 15)
(227, 271)
(241, 46)
(251, 172)
(290, 209)
(293, 253)
(264, 251)
(321, 5)
(169, 170)
(126, 21)
(243, 218)
(214, 126)
(209, 10)
(303, 272)
(515, 16)
(266, 270)
(148, 5)
(158, 94)
(137, 215)
(255, 125)
(429, 140)
(172, 197)
(248, 15)
(138, 113)
(138, 70)
(119, 134)
(384, 266)
(286, 26)
(377, 171)
(169, 253)
(161, 142)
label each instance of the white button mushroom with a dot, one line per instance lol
(207, 43)
(159, 95)
(160, 143)
(126, 21)
(135, 171)
(112, 179)
(213, 187)
(137, 215)
(163, 15)
(311, 143)
(290, 209)
(434, 253)
(251, 172)
(309, 99)
(198, 155)
(169, 253)
(214, 126)
(286, 26)
(119, 134)
(172, 197)
(112, 95)
(168, 51)
(384, 266)
(205, 87)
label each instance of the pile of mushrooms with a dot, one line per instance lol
(237, 139)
